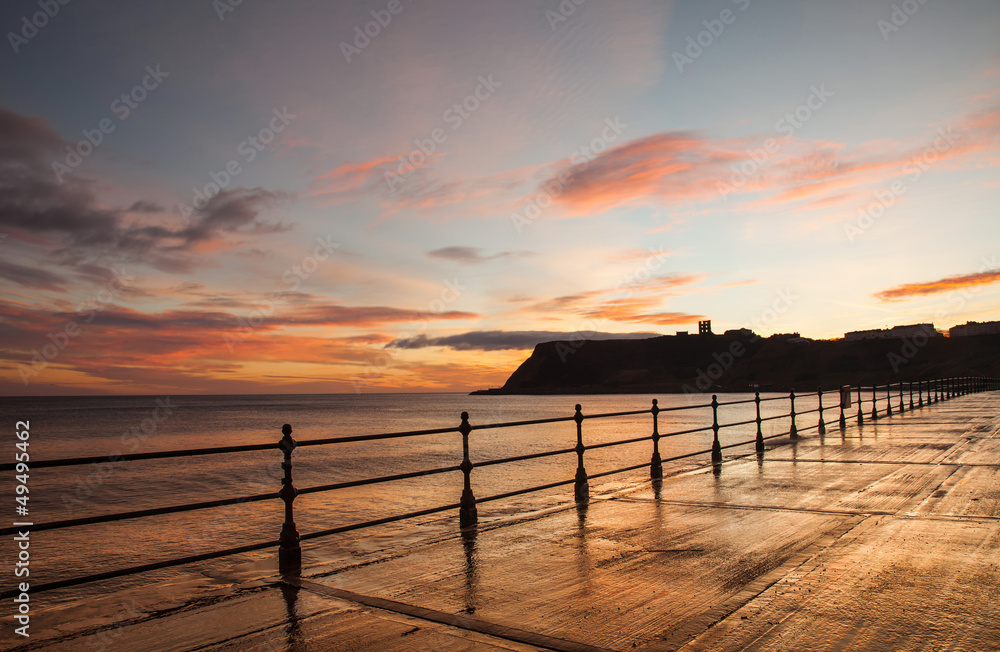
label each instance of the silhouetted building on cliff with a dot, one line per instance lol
(894, 333)
(975, 328)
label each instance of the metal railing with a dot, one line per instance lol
(880, 398)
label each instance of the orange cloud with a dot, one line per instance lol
(943, 285)
(686, 167)
(670, 166)
(351, 176)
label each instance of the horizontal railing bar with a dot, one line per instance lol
(749, 400)
(737, 423)
(97, 459)
(618, 442)
(740, 443)
(529, 422)
(156, 511)
(382, 435)
(677, 408)
(379, 480)
(529, 456)
(519, 492)
(776, 416)
(685, 432)
(627, 468)
(616, 414)
(97, 577)
(379, 521)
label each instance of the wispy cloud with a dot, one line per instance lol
(503, 340)
(31, 277)
(473, 255)
(909, 290)
(35, 207)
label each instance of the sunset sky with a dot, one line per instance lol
(260, 197)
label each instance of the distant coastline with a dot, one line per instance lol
(743, 362)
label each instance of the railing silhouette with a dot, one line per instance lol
(907, 396)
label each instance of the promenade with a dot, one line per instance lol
(879, 537)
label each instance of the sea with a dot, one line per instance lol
(108, 426)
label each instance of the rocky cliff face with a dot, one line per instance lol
(740, 363)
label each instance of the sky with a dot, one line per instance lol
(229, 197)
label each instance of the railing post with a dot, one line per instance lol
(902, 409)
(888, 399)
(581, 490)
(910, 386)
(468, 515)
(716, 446)
(843, 418)
(861, 415)
(289, 547)
(793, 432)
(874, 401)
(655, 466)
(760, 434)
(821, 428)
(920, 393)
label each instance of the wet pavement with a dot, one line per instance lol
(884, 537)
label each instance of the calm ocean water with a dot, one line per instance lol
(104, 426)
